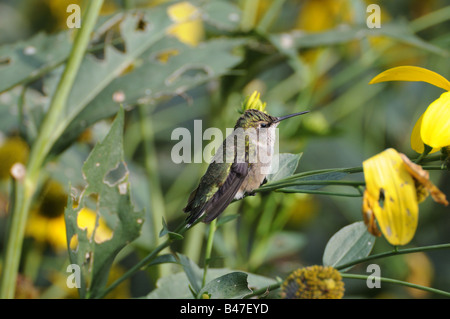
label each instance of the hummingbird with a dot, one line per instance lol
(238, 167)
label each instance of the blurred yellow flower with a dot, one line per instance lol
(394, 188)
(46, 223)
(421, 272)
(433, 127)
(321, 15)
(13, 150)
(188, 26)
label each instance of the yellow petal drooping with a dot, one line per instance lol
(435, 128)
(412, 73)
(392, 196)
(421, 177)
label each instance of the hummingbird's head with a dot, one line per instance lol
(257, 119)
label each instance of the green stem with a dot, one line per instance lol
(209, 245)
(152, 171)
(398, 282)
(393, 253)
(249, 9)
(26, 188)
(431, 19)
(271, 187)
(263, 290)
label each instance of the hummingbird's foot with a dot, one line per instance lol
(251, 193)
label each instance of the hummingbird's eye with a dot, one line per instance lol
(263, 125)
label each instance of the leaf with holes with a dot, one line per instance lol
(107, 177)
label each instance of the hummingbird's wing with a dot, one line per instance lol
(225, 195)
(221, 198)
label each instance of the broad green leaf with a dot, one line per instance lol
(107, 183)
(223, 15)
(94, 75)
(351, 243)
(154, 79)
(230, 286)
(287, 164)
(26, 59)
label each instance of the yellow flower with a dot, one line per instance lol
(253, 102)
(394, 188)
(47, 225)
(314, 282)
(321, 15)
(13, 150)
(420, 272)
(433, 127)
(188, 26)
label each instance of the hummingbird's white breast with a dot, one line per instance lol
(260, 159)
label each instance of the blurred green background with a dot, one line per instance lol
(316, 55)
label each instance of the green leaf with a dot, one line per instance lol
(350, 243)
(193, 272)
(107, 183)
(95, 75)
(222, 14)
(163, 259)
(154, 79)
(165, 231)
(22, 60)
(287, 165)
(230, 286)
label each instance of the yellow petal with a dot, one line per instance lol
(254, 102)
(416, 140)
(87, 219)
(412, 73)
(435, 128)
(392, 189)
(188, 26)
(368, 215)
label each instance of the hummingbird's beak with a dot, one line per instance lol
(281, 118)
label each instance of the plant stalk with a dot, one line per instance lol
(26, 188)
(398, 282)
(209, 245)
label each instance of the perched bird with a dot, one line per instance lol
(238, 167)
